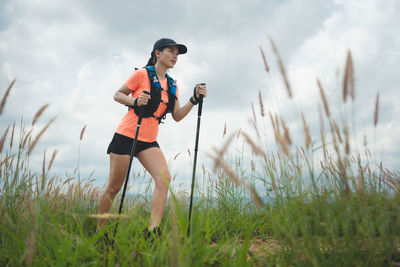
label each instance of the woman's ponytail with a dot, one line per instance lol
(153, 59)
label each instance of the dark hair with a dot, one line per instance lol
(153, 59)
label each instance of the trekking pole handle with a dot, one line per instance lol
(200, 101)
(141, 110)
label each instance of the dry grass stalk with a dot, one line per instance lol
(238, 133)
(298, 164)
(254, 113)
(254, 147)
(256, 197)
(283, 141)
(82, 132)
(26, 138)
(306, 131)
(3, 139)
(255, 126)
(286, 133)
(53, 156)
(223, 135)
(360, 183)
(39, 113)
(261, 104)
(394, 184)
(67, 181)
(275, 127)
(226, 145)
(176, 156)
(284, 145)
(324, 144)
(6, 159)
(31, 245)
(174, 235)
(265, 60)
(4, 100)
(376, 113)
(347, 142)
(234, 178)
(109, 216)
(49, 187)
(322, 131)
(325, 102)
(348, 80)
(343, 175)
(44, 170)
(12, 135)
(282, 68)
(219, 163)
(32, 146)
(336, 126)
(335, 144)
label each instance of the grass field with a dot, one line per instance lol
(286, 209)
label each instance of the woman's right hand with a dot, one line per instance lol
(143, 99)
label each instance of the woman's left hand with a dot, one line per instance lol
(201, 89)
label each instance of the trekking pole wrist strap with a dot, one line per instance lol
(135, 104)
(132, 106)
(194, 102)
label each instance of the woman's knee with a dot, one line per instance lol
(163, 179)
(112, 190)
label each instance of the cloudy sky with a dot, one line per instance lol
(75, 54)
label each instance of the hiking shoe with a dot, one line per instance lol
(104, 242)
(157, 231)
(146, 233)
(150, 235)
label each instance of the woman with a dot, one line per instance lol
(135, 93)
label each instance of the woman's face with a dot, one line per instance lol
(168, 57)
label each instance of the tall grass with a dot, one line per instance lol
(341, 209)
(311, 204)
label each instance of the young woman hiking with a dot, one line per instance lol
(135, 93)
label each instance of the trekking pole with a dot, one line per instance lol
(140, 116)
(195, 158)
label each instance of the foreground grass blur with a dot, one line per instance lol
(283, 211)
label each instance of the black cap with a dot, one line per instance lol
(164, 42)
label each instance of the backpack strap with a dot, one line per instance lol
(171, 98)
(155, 96)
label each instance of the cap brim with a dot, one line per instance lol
(182, 49)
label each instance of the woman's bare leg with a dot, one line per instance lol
(118, 168)
(154, 162)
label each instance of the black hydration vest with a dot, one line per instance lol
(155, 96)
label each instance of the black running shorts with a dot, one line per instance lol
(122, 145)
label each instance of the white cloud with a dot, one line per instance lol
(75, 55)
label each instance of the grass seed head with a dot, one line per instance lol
(264, 59)
(32, 145)
(324, 101)
(261, 104)
(3, 138)
(376, 113)
(282, 68)
(39, 113)
(53, 156)
(256, 150)
(223, 135)
(348, 80)
(82, 132)
(6, 94)
(306, 131)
